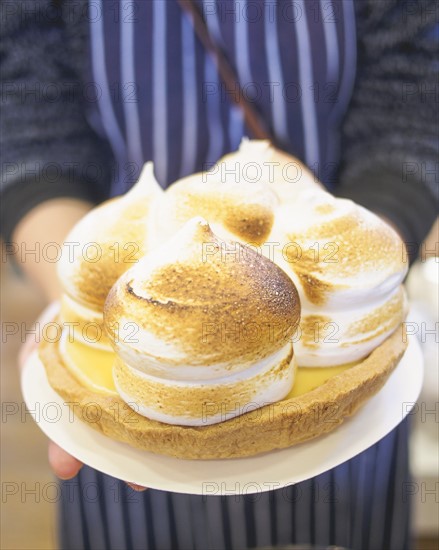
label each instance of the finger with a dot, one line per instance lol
(64, 466)
(135, 487)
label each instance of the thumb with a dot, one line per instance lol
(64, 466)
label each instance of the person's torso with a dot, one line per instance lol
(161, 98)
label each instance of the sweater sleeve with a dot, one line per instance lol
(48, 148)
(390, 154)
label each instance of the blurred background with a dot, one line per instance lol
(28, 517)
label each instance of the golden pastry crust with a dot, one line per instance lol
(275, 426)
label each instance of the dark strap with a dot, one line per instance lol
(226, 72)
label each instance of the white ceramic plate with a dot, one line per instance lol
(233, 476)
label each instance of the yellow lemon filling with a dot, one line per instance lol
(310, 378)
(94, 368)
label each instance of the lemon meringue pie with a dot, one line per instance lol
(254, 298)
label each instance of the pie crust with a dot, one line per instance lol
(274, 426)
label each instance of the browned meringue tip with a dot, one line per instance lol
(116, 233)
(244, 211)
(175, 292)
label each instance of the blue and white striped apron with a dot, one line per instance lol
(161, 99)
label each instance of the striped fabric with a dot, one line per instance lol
(359, 505)
(161, 99)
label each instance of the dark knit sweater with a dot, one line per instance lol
(389, 140)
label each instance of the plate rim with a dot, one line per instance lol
(29, 386)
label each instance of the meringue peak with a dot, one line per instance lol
(196, 229)
(117, 232)
(260, 149)
(196, 282)
(146, 185)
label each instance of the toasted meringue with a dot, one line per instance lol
(190, 403)
(238, 196)
(102, 246)
(348, 267)
(106, 242)
(203, 328)
(86, 323)
(199, 316)
(232, 196)
(286, 175)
